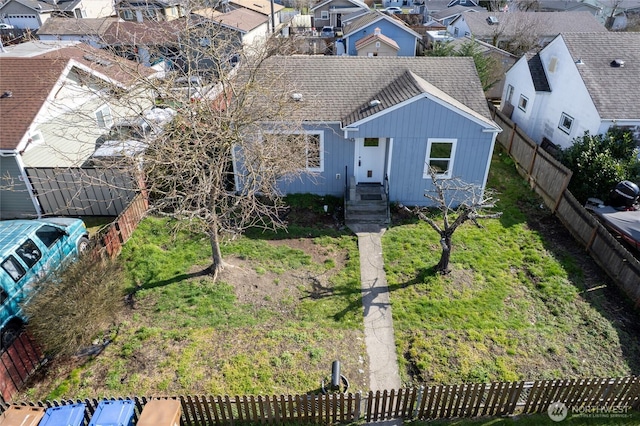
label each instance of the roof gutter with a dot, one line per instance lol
(25, 179)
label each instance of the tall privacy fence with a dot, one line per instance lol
(423, 403)
(550, 179)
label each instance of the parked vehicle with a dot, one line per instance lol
(327, 31)
(4, 26)
(392, 9)
(29, 251)
(621, 215)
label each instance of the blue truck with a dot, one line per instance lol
(29, 251)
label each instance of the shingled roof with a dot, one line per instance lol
(356, 80)
(30, 80)
(547, 24)
(76, 26)
(615, 90)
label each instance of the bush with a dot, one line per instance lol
(600, 162)
(74, 306)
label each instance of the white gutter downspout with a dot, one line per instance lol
(25, 179)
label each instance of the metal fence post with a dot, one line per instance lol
(416, 409)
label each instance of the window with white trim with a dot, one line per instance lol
(103, 117)
(522, 103)
(565, 124)
(440, 156)
(127, 15)
(324, 14)
(509, 93)
(314, 149)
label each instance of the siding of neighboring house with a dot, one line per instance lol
(96, 8)
(336, 11)
(405, 40)
(384, 49)
(15, 201)
(24, 17)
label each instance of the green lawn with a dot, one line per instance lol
(515, 306)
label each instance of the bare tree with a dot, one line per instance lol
(457, 202)
(219, 165)
(517, 32)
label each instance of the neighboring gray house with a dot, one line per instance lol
(579, 82)
(386, 119)
(389, 35)
(32, 14)
(511, 30)
(331, 12)
(87, 30)
(611, 13)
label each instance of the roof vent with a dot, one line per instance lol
(374, 103)
(492, 20)
(617, 63)
(296, 96)
(6, 94)
(579, 62)
(97, 60)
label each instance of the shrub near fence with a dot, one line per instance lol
(424, 403)
(549, 179)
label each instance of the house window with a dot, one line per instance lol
(324, 14)
(127, 15)
(150, 13)
(315, 151)
(103, 117)
(565, 123)
(371, 142)
(509, 93)
(455, 32)
(440, 156)
(522, 103)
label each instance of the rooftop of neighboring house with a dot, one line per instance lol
(329, 99)
(241, 19)
(541, 23)
(151, 33)
(375, 16)
(30, 75)
(147, 3)
(615, 90)
(74, 26)
(260, 6)
(356, 3)
(440, 14)
(38, 6)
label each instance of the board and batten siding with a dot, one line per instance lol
(15, 201)
(409, 128)
(338, 153)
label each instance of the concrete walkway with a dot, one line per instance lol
(378, 323)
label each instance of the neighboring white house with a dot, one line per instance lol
(32, 14)
(56, 102)
(580, 82)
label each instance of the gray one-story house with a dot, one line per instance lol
(384, 120)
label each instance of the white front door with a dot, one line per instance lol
(370, 154)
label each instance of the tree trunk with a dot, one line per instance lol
(216, 254)
(443, 265)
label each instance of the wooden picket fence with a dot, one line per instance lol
(420, 403)
(17, 363)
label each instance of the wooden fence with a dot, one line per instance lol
(550, 179)
(424, 403)
(17, 363)
(82, 191)
(120, 230)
